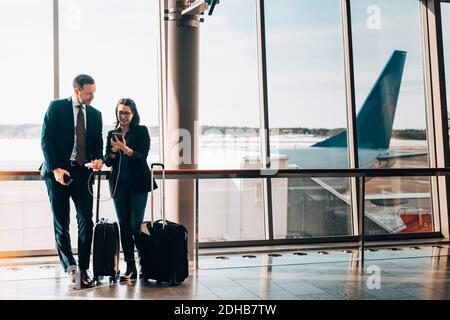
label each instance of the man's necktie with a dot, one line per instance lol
(81, 138)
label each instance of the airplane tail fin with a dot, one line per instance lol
(376, 117)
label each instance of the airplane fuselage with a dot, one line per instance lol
(330, 158)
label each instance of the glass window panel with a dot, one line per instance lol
(311, 208)
(229, 105)
(389, 80)
(307, 107)
(306, 81)
(27, 222)
(231, 210)
(389, 83)
(398, 205)
(115, 42)
(26, 62)
(31, 225)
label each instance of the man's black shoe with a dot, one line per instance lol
(131, 273)
(86, 281)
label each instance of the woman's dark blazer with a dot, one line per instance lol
(138, 139)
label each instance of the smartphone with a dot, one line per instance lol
(67, 180)
(118, 136)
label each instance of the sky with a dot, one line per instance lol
(305, 61)
(116, 42)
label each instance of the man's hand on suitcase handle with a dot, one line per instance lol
(96, 164)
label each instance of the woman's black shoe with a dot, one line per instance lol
(129, 276)
(131, 272)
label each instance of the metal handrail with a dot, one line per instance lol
(264, 173)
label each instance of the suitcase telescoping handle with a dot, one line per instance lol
(98, 196)
(161, 193)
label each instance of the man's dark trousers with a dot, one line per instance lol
(60, 203)
(57, 143)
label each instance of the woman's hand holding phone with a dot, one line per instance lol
(118, 136)
(118, 142)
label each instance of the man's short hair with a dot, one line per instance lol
(81, 80)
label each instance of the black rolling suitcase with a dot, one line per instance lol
(106, 246)
(164, 251)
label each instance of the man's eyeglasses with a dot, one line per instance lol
(124, 113)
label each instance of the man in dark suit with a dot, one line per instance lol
(72, 136)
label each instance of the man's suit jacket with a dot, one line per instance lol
(57, 138)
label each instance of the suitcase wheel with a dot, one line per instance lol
(173, 281)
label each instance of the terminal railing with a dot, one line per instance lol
(262, 173)
(199, 174)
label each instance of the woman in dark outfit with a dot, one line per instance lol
(126, 151)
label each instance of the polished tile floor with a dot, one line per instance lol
(421, 272)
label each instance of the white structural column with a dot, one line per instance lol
(436, 110)
(352, 141)
(181, 116)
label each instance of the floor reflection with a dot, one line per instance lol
(411, 273)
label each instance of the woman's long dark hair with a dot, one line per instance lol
(132, 105)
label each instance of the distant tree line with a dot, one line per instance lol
(410, 134)
(226, 130)
(20, 131)
(33, 131)
(407, 134)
